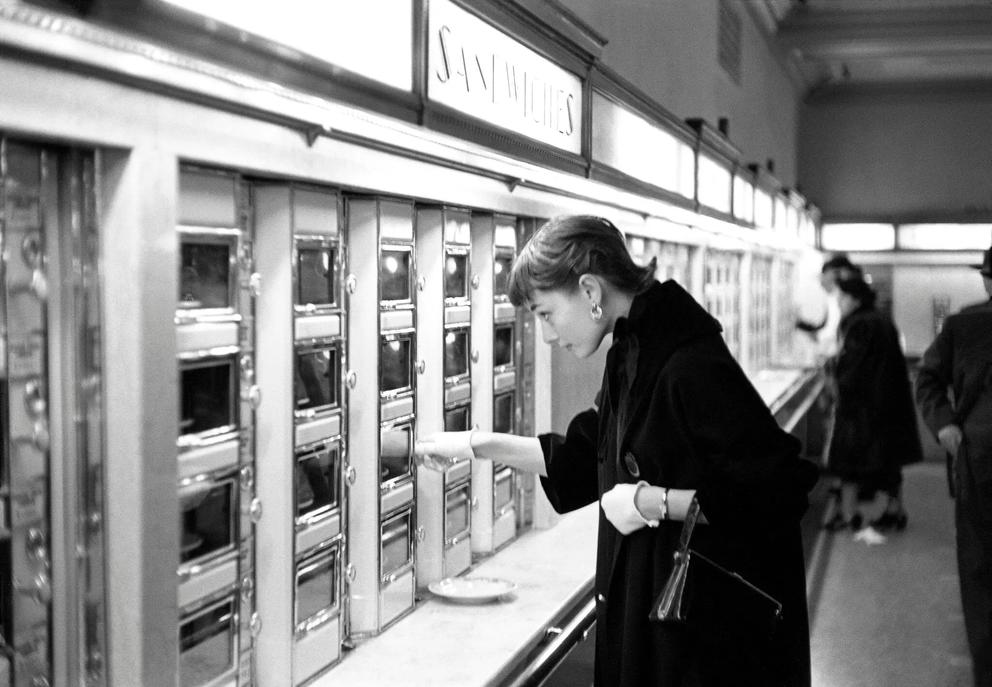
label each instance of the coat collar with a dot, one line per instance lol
(663, 319)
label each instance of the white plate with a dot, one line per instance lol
(471, 590)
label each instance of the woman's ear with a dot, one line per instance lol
(591, 287)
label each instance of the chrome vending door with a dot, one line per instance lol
(52, 603)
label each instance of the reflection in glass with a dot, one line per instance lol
(205, 275)
(317, 482)
(501, 276)
(206, 645)
(206, 520)
(455, 352)
(503, 489)
(503, 413)
(456, 275)
(396, 549)
(394, 275)
(207, 396)
(503, 345)
(456, 419)
(316, 382)
(395, 452)
(315, 586)
(315, 276)
(457, 504)
(395, 363)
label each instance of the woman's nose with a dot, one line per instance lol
(548, 334)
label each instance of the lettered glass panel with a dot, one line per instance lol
(743, 199)
(764, 209)
(722, 293)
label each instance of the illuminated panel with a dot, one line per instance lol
(714, 184)
(335, 31)
(743, 199)
(945, 236)
(763, 209)
(857, 236)
(631, 144)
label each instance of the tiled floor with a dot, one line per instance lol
(889, 615)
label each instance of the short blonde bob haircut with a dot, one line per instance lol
(568, 246)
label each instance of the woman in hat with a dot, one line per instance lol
(875, 430)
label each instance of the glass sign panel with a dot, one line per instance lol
(476, 69)
(335, 31)
(854, 236)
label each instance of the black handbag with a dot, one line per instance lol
(720, 605)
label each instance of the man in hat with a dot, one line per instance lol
(960, 359)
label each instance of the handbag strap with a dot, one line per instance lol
(691, 516)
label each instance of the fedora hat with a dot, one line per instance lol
(986, 267)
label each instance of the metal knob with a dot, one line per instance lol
(421, 366)
(255, 510)
(475, 356)
(475, 282)
(253, 395)
(421, 283)
(352, 379)
(247, 477)
(350, 474)
(255, 624)
(39, 589)
(255, 284)
(475, 503)
(421, 534)
(350, 573)
(351, 283)
(247, 588)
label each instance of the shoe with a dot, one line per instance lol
(891, 521)
(838, 523)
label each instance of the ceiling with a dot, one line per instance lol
(839, 46)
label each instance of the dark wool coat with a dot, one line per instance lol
(875, 431)
(677, 411)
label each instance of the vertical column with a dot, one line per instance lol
(274, 441)
(138, 219)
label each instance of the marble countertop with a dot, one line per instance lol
(442, 644)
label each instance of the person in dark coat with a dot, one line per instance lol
(875, 432)
(677, 419)
(960, 360)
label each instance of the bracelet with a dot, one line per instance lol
(664, 504)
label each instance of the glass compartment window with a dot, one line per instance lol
(722, 294)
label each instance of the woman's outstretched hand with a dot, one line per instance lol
(450, 445)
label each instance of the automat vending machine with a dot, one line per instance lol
(381, 380)
(444, 393)
(495, 484)
(218, 397)
(319, 446)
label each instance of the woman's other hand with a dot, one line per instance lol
(950, 438)
(618, 506)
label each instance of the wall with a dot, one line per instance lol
(892, 155)
(668, 49)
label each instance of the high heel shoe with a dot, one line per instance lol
(891, 521)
